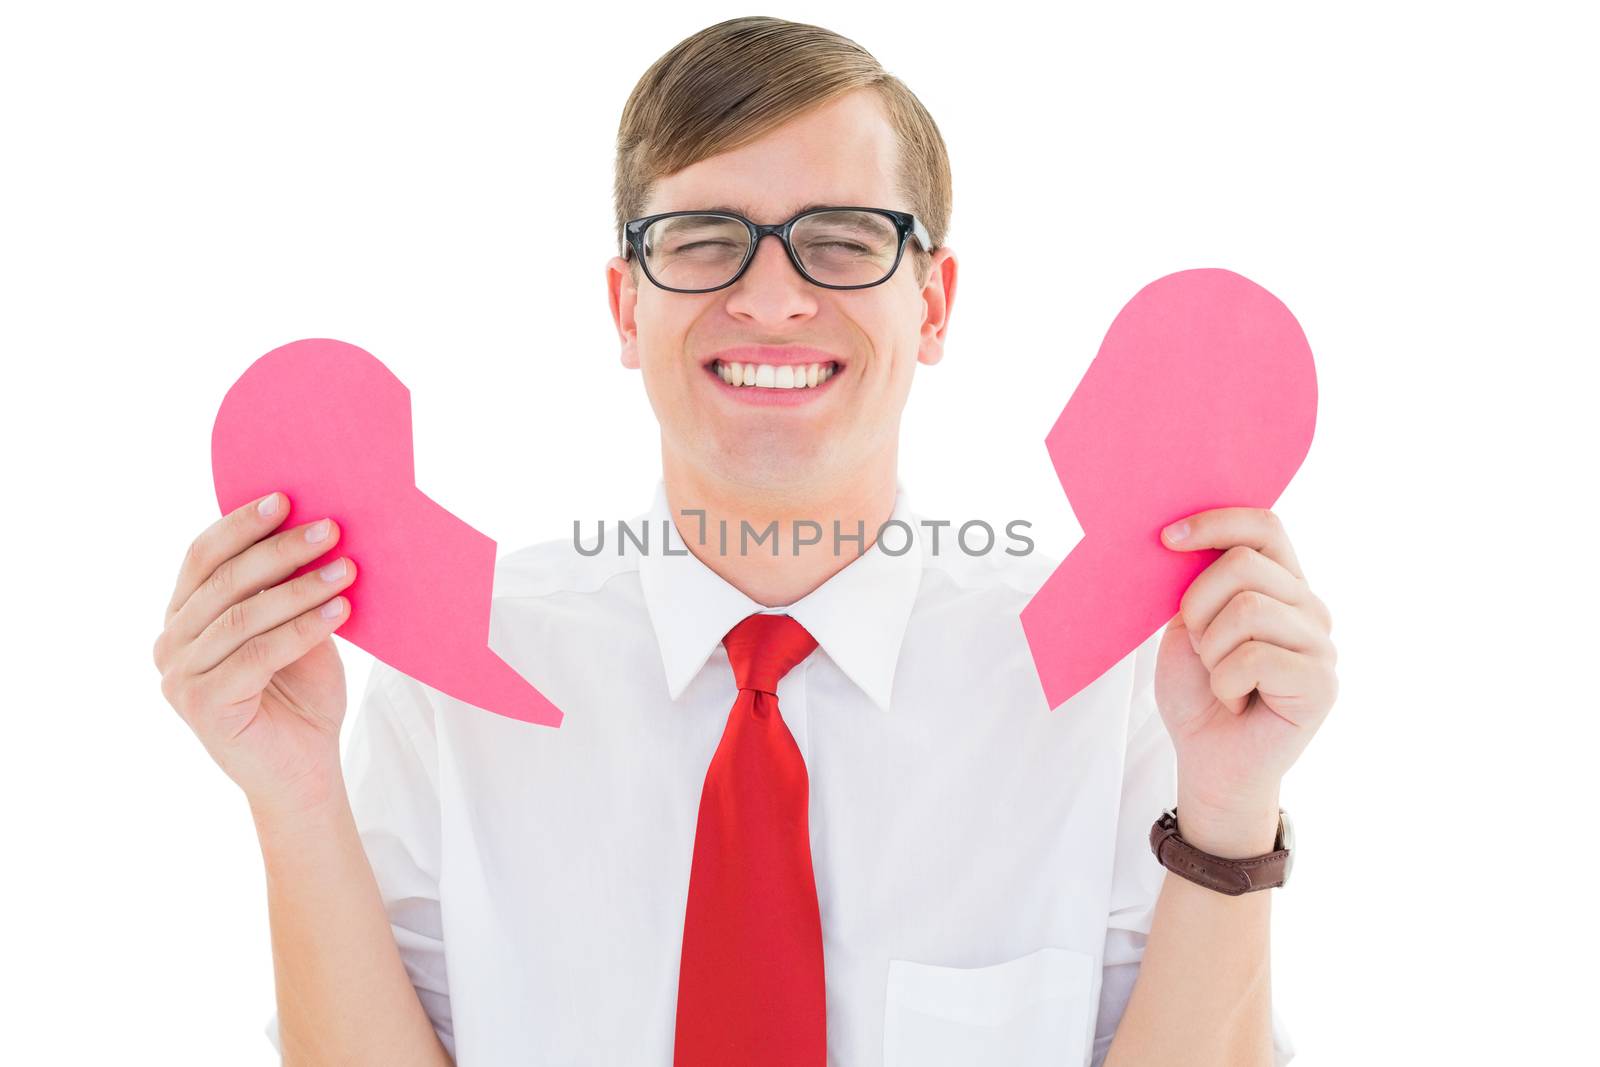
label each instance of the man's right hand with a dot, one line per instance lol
(247, 659)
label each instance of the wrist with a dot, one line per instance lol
(1235, 832)
(299, 811)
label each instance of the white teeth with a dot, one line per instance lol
(770, 376)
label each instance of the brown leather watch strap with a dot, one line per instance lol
(1229, 876)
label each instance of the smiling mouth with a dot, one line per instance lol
(774, 376)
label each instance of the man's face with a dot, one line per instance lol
(822, 437)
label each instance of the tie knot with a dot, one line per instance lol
(764, 647)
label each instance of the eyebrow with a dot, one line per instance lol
(745, 211)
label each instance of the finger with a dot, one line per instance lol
(1320, 609)
(1237, 570)
(258, 567)
(1255, 616)
(1257, 528)
(251, 666)
(222, 540)
(267, 610)
(1292, 680)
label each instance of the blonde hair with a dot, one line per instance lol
(732, 82)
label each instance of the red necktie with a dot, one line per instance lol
(750, 983)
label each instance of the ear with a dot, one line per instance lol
(623, 295)
(938, 297)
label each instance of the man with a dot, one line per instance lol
(889, 850)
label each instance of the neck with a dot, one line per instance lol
(804, 509)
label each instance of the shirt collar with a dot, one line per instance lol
(858, 615)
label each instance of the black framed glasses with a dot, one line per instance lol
(833, 247)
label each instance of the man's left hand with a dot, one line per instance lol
(1244, 678)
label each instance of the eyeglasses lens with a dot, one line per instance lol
(834, 247)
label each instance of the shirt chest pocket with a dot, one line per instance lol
(1031, 1011)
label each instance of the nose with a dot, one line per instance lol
(771, 287)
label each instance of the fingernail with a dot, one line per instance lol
(333, 571)
(333, 607)
(1177, 531)
(268, 506)
(1194, 642)
(317, 532)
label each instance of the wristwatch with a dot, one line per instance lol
(1232, 877)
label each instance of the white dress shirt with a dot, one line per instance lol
(982, 862)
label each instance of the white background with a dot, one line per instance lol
(187, 187)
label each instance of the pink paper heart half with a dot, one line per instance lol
(329, 425)
(1203, 395)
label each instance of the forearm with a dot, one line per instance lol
(1203, 995)
(342, 990)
